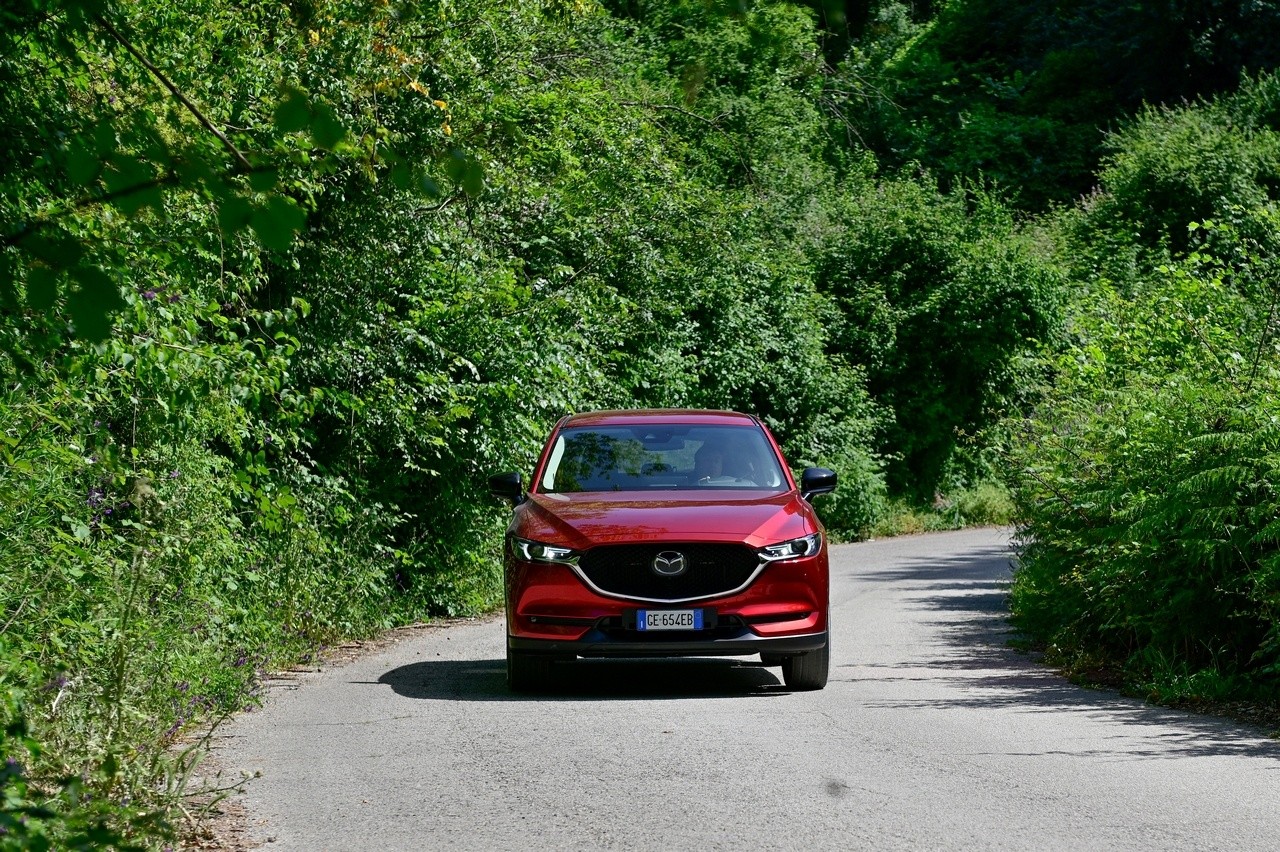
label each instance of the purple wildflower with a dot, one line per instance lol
(149, 295)
(57, 683)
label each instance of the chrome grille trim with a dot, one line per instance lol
(587, 580)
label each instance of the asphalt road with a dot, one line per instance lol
(931, 734)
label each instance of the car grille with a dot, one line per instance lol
(626, 570)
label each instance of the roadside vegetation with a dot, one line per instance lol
(277, 292)
(1149, 465)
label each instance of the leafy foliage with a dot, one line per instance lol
(937, 302)
(1169, 167)
(1023, 93)
(1147, 482)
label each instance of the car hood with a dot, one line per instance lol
(585, 519)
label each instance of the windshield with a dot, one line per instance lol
(662, 456)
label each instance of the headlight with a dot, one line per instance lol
(794, 549)
(535, 551)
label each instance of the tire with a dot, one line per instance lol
(808, 671)
(528, 672)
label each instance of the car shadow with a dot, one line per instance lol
(598, 680)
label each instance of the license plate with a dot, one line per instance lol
(669, 619)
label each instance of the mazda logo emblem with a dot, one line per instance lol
(669, 563)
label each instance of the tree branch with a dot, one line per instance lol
(175, 91)
(28, 228)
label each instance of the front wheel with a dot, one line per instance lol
(528, 672)
(808, 671)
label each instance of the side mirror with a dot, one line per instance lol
(507, 486)
(815, 481)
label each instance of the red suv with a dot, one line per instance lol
(665, 533)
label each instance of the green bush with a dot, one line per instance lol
(1171, 167)
(1145, 478)
(1147, 482)
(987, 503)
(938, 303)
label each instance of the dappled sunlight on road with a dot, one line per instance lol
(961, 659)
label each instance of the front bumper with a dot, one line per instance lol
(725, 640)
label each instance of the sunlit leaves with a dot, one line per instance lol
(1148, 478)
(133, 148)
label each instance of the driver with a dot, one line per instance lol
(708, 462)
